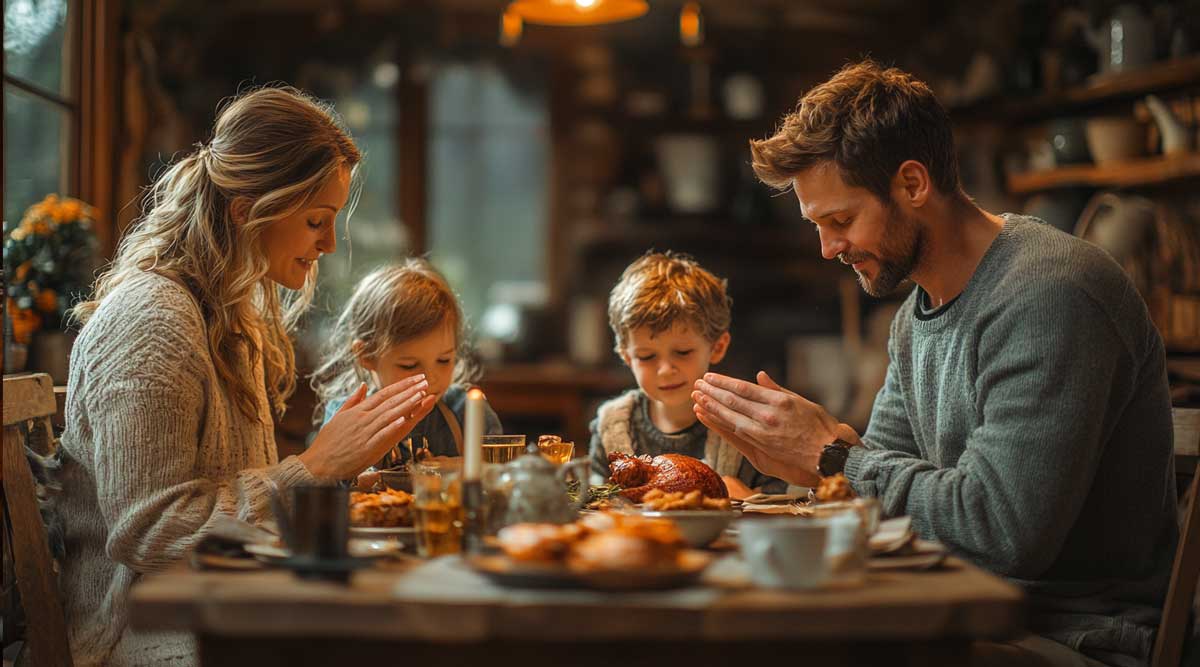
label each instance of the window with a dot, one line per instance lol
(41, 103)
(376, 237)
(488, 204)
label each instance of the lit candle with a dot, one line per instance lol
(473, 436)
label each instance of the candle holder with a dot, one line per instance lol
(473, 516)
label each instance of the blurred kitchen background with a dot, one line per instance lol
(531, 163)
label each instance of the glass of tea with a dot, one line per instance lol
(502, 448)
(437, 507)
(555, 450)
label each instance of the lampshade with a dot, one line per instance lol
(577, 12)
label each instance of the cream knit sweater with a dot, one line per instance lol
(155, 450)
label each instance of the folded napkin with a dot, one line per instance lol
(893, 535)
(223, 546)
(775, 498)
(790, 508)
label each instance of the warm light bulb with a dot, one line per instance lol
(691, 27)
(585, 4)
(511, 27)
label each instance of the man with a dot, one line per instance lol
(1025, 420)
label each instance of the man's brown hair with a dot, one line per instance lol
(661, 289)
(867, 120)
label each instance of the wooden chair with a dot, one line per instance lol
(1173, 630)
(28, 406)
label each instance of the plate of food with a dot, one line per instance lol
(699, 518)
(382, 515)
(603, 551)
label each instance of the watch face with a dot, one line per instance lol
(833, 460)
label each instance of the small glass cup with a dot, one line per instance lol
(502, 448)
(557, 452)
(437, 507)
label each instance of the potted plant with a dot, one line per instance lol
(49, 259)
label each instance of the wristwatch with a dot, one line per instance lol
(833, 457)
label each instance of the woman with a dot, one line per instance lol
(184, 361)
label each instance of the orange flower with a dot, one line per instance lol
(46, 301)
(41, 228)
(23, 269)
(69, 211)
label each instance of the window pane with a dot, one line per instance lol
(35, 45)
(376, 234)
(35, 136)
(488, 160)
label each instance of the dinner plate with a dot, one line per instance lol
(520, 574)
(358, 548)
(371, 533)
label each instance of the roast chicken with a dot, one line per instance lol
(668, 472)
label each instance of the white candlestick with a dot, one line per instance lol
(473, 436)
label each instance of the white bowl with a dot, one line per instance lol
(698, 527)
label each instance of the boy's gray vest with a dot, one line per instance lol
(613, 418)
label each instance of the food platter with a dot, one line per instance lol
(506, 571)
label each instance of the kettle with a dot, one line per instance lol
(531, 489)
(1123, 41)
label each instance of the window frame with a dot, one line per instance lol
(92, 38)
(69, 180)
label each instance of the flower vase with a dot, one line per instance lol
(15, 356)
(50, 352)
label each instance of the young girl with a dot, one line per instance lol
(403, 320)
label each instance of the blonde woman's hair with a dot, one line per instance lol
(391, 305)
(661, 289)
(274, 148)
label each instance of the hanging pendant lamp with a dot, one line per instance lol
(577, 12)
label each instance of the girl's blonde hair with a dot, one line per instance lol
(389, 306)
(274, 148)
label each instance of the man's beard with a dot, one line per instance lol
(900, 252)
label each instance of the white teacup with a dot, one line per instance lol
(803, 553)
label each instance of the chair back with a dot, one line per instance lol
(1174, 628)
(28, 405)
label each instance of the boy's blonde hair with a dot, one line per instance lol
(275, 147)
(389, 306)
(661, 289)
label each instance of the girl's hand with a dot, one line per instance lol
(366, 480)
(366, 428)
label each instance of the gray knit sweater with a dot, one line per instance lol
(155, 450)
(1028, 426)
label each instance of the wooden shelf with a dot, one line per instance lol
(1157, 78)
(1185, 367)
(1148, 171)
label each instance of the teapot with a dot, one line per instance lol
(1123, 41)
(531, 489)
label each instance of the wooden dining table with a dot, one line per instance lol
(442, 612)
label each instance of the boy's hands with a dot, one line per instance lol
(367, 427)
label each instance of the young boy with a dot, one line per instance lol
(671, 321)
